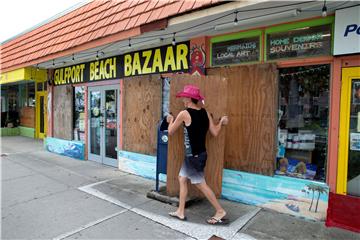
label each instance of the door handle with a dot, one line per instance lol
(101, 123)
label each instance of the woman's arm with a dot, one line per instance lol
(215, 128)
(175, 124)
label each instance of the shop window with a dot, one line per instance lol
(12, 116)
(39, 87)
(3, 108)
(303, 121)
(79, 113)
(31, 95)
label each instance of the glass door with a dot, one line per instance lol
(349, 147)
(41, 114)
(95, 120)
(103, 124)
(110, 126)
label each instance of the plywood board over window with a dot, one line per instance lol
(214, 89)
(141, 113)
(63, 112)
(252, 107)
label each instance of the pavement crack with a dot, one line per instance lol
(36, 198)
(16, 178)
(47, 175)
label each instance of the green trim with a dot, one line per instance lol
(9, 131)
(234, 36)
(27, 132)
(236, 64)
(292, 26)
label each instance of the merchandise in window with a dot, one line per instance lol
(303, 122)
(79, 113)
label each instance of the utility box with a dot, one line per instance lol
(162, 150)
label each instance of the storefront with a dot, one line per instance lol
(115, 104)
(279, 84)
(276, 84)
(344, 202)
(23, 103)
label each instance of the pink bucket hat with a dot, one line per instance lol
(190, 91)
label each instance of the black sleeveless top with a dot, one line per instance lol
(197, 130)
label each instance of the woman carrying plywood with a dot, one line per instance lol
(197, 122)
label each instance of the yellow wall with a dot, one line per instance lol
(28, 73)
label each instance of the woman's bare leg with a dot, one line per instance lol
(182, 198)
(209, 194)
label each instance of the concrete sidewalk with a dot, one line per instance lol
(45, 195)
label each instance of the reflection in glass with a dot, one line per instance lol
(303, 121)
(110, 120)
(42, 123)
(95, 118)
(353, 176)
(79, 113)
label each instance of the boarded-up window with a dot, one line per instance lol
(141, 113)
(63, 112)
(252, 106)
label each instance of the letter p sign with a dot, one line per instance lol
(352, 28)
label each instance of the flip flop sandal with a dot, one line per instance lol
(174, 214)
(215, 221)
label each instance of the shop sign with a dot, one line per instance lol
(163, 59)
(347, 31)
(304, 42)
(355, 141)
(236, 51)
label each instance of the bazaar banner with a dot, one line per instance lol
(164, 59)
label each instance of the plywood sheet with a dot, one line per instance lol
(252, 106)
(214, 89)
(141, 113)
(63, 112)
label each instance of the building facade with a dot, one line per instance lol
(274, 68)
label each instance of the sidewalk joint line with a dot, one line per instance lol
(91, 224)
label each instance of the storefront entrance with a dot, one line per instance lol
(103, 124)
(348, 182)
(41, 114)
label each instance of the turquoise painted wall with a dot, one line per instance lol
(139, 164)
(283, 194)
(74, 149)
(257, 189)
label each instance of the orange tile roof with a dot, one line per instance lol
(91, 23)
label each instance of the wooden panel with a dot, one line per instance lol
(63, 112)
(252, 106)
(27, 117)
(141, 113)
(214, 89)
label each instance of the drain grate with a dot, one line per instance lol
(3, 155)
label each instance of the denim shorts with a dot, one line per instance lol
(191, 173)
